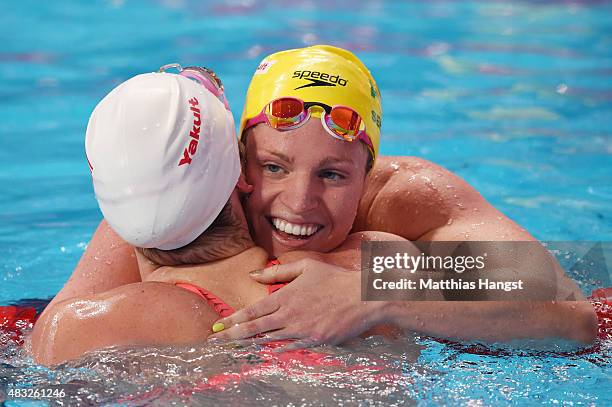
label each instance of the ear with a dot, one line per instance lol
(243, 186)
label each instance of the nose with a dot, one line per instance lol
(301, 194)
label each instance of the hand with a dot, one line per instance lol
(322, 304)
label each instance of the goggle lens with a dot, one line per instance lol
(344, 121)
(286, 108)
(285, 113)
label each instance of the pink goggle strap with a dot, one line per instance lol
(206, 82)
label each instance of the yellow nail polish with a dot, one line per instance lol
(218, 327)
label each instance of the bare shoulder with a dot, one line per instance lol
(410, 197)
(146, 305)
(420, 200)
(372, 236)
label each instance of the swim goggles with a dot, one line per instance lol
(288, 113)
(202, 75)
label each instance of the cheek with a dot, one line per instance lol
(343, 206)
(262, 197)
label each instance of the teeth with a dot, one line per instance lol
(293, 229)
(296, 230)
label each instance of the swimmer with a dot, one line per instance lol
(171, 189)
(295, 184)
(406, 196)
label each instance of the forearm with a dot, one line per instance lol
(108, 262)
(496, 321)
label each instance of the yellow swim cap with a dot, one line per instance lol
(321, 73)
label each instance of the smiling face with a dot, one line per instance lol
(306, 187)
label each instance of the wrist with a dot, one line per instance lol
(379, 312)
(403, 313)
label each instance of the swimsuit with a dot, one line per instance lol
(216, 303)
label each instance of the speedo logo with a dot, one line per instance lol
(191, 149)
(317, 78)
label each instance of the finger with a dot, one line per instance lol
(296, 345)
(261, 308)
(280, 273)
(275, 336)
(279, 335)
(248, 329)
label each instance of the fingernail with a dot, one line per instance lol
(218, 327)
(256, 273)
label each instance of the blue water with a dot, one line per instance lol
(516, 98)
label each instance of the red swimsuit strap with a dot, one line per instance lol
(276, 286)
(216, 303)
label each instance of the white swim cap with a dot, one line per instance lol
(164, 159)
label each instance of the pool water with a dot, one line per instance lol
(515, 98)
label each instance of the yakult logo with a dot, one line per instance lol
(191, 149)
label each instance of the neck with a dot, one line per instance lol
(251, 258)
(233, 245)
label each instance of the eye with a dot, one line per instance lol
(332, 175)
(273, 168)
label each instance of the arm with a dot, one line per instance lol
(423, 201)
(495, 321)
(333, 295)
(457, 212)
(108, 262)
